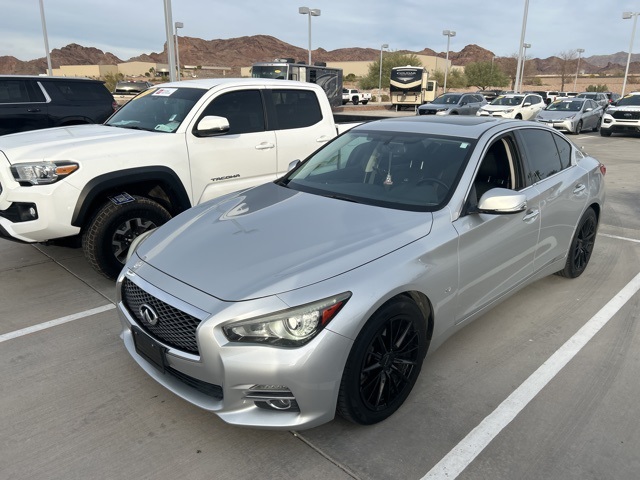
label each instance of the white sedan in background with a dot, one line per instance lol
(515, 105)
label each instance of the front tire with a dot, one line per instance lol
(106, 241)
(604, 132)
(578, 127)
(355, 100)
(581, 246)
(384, 363)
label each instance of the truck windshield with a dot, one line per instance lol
(157, 109)
(404, 171)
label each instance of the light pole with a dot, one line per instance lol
(626, 16)
(382, 47)
(448, 34)
(178, 25)
(46, 41)
(312, 12)
(524, 59)
(168, 26)
(520, 49)
(575, 82)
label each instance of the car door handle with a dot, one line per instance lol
(581, 187)
(323, 138)
(33, 110)
(531, 215)
(265, 146)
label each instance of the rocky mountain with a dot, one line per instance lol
(243, 51)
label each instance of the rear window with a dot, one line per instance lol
(79, 91)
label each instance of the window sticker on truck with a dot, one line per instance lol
(164, 92)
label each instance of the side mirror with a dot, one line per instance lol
(502, 201)
(293, 165)
(210, 126)
(588, 109)
(527, 104)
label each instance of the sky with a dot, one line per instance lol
(128, 28)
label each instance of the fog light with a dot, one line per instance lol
(279, 404)
(272, 397)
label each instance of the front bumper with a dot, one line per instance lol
(617, 126)
(233, 380)
(51, 206)
(562, 125)
(497, 114)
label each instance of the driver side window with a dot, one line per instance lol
(498, 169)
(242, 108)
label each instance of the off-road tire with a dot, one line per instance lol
(106, 240)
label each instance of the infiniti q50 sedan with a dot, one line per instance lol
(280, 305)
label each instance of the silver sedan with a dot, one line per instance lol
(572, 115)
(280, 305)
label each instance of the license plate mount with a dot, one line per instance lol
(148, 348)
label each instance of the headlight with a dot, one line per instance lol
(42, 173)
(443, 111)
(509, 110)
(289, 328)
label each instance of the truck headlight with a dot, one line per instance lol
(42, 173)
(288, 328)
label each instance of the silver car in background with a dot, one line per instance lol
(572, 115)
(453, 104)
(322, 292)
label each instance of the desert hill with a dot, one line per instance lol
(243, 51)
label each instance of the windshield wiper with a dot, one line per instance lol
(130, 127)
(337, 196)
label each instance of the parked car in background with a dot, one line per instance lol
(613, 97)
(33, 102)
(490, 95)
(125, 91)
(248, 307)
(355, 96)
(572, 115)
(453, 104)
(516, 105)
(598, 97)
(171, 147)
(623, 117)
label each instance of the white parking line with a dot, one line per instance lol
(475, 442)
(53, 323)
(619, 238)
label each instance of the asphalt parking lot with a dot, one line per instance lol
(542, 387)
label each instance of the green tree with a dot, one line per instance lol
(484, 75)
(598, 88)
(389, 60)
(110, 80)
(456, 78)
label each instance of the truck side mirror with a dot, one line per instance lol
(210, 126)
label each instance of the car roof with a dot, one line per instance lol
(450, 125)
(48, 78)
(209, 83)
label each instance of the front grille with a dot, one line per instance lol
(174, 327)
(424, 111)
(621, 115)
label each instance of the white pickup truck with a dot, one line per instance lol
(173, 146)
(355, 96)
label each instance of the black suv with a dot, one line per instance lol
(31, 102)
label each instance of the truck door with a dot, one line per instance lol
(299, 124)
(243, 157)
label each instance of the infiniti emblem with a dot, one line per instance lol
(148, 314)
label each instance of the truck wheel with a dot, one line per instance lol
(355, 100)
(106, 240)
(364, 102)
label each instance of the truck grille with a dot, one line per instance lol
(173, 327)
(626, 115)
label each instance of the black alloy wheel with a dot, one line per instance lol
(384, 363)
(581, 246)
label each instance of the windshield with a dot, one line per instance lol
(630, 100)
(405, 171)
(566, 106)
(508, 101)
(157, 109)
(447, 99)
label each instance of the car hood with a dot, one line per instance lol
(435, 106)
(555, 114)
(61, 142)
(271, 239)
(499, 108)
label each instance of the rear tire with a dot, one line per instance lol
(384, 363)
(581, 246)
(106, 240)
(364, 102)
